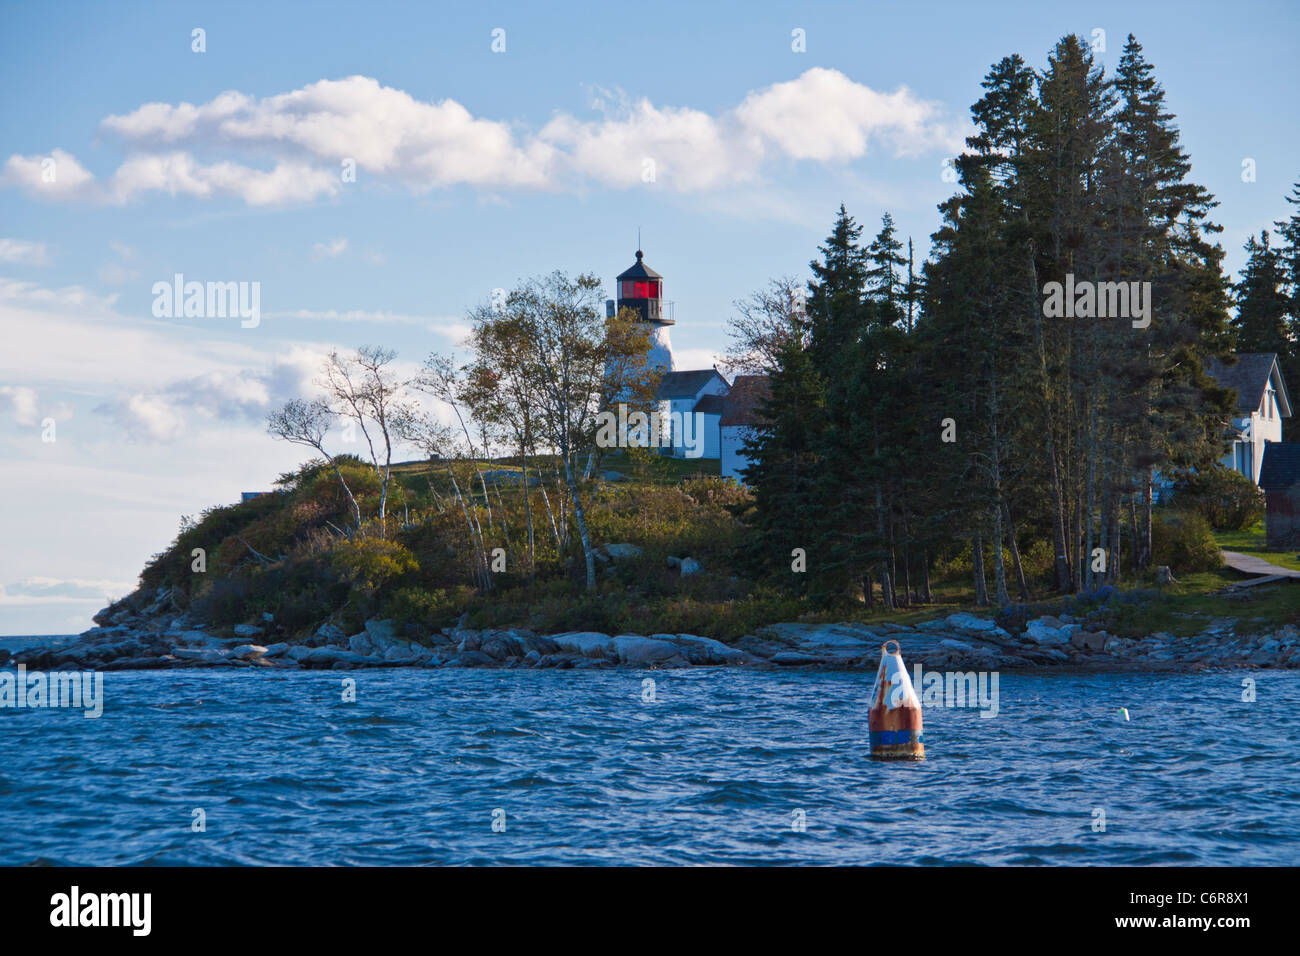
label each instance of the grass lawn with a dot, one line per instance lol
(1251, 541)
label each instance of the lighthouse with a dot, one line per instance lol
(641, 289)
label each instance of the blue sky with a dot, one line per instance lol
(474, 168)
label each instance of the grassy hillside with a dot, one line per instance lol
(293, 554)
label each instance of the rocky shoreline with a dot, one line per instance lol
(150, 632)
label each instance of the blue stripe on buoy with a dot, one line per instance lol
(894, 738)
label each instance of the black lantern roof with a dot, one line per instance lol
(640, 270)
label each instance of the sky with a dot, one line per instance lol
(378, 169)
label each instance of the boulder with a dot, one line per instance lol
(674, 562)
(1089, 641)
(1042, 632)
(622, 552)
(276, 650)
(247, 651)
(325, 657)
(360, 644)
(642, 651)
(586, 644)
(246, 630)
(500, 647)
(329, 633)
(690, 566)
(205, 655)
(965, 621)
(794, 658)
(705, 650)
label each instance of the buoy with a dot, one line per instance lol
(894, 720)
(1124, 711)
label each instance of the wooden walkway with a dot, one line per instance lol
(1249, 564)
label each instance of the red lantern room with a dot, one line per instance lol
(641, 288)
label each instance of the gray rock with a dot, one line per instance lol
(325, 657)
(794, 658)
(1047, 631)
(705, 650)
(674, 562)
(1088, 641)
(246, 630)
(641, 651)
(690, 566)
(276, 650)
(622, 552)
(965, 621)
(586, 644)
(206, 655)
(247, 651)
(329, 633)
(360, 644)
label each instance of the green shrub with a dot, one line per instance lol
(370, 562)
(431, 609)
(1226, 499)
(1183, 540)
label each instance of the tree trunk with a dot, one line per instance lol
(587, 553)
(981, 585)
(1015, 554)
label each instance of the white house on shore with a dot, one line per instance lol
(740, 413)
(1262, 403)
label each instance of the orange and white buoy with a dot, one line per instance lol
(894, 720)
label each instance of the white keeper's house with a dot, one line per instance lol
(1262, 403)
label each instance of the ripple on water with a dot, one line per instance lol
(716, 771)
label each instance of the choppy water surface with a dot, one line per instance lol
(587, 772)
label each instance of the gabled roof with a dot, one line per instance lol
(741, 404)
(1249, 375)
(711, 404)
(639, 270)
(1281, 466)
(686, 384)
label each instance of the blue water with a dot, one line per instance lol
(588, 773)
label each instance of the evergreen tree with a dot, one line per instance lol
(886, 259)
(835, 292)
(783, 451)
(1261, 300)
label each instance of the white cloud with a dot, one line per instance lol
(825, 116)
(47, 590)
(29, 293)
(22, 402)
(329, 250)
(313, 132)
(24, 252)
(57, 175)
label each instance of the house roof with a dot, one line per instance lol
(741, 405)
(711, 404)
(1281, 467)
(685, 384)
(1249, 375)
